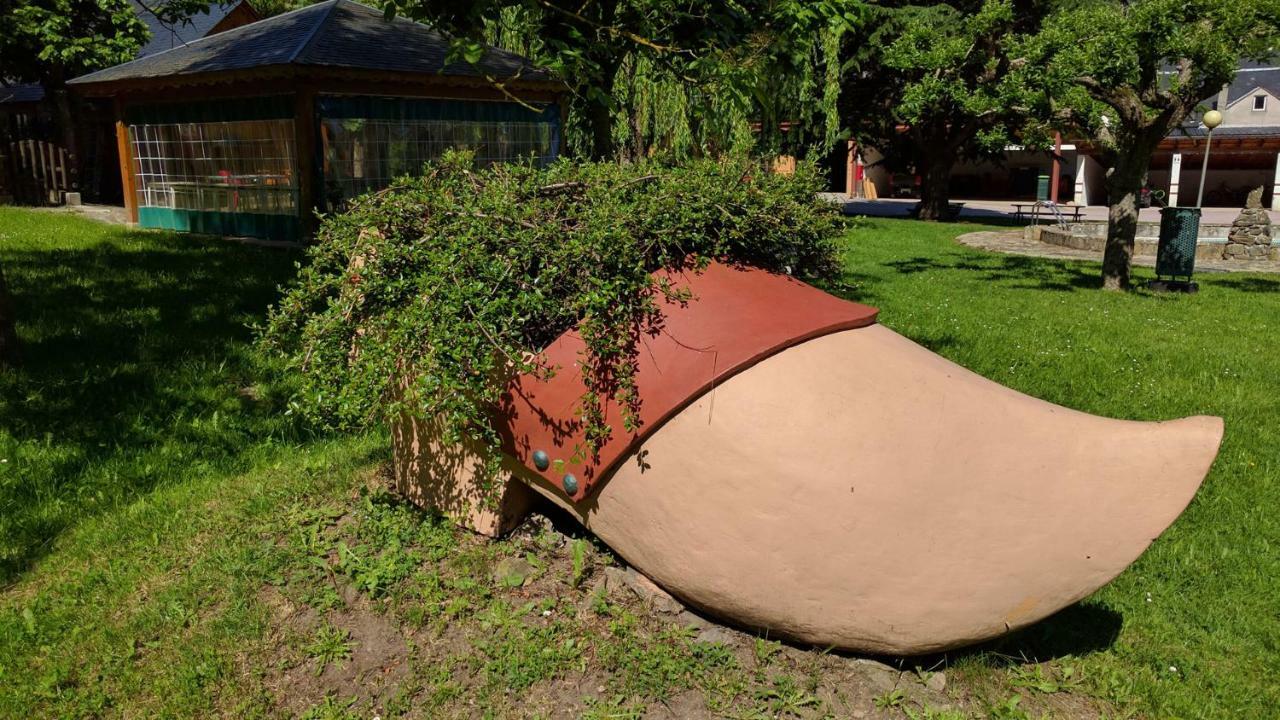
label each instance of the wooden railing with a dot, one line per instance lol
(35, 172)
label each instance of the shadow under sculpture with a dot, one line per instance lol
(804, 471)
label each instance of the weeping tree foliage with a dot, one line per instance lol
(654, 78)
(740, 72)
(428, 297)
(1126, 73)
(927, 84)
(749, 101)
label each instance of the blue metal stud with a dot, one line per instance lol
(541, 460)
(570, 484)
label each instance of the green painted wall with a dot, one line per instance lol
(207, 222)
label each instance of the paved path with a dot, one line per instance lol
(113, 214)
(1013, 243)
(1002, 211)
(116, 215)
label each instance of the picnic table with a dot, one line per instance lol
(1071, 212)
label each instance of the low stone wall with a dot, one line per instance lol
(1092, 236)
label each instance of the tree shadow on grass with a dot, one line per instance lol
(1017, 272)
(1248, 284)
(136, 369)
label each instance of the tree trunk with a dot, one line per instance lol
(10, 351)
(69, 130)
(1125, 180)
(598, 109)
(935, 186)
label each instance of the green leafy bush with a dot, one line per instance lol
(427, 297)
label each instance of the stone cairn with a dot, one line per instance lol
(1250, 235)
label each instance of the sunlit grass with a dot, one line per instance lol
(137, 370)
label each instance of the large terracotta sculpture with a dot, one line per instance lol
(804, 471)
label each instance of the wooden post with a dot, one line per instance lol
(62, 183)
(561, 102)
(125, 150)
(304, 150)
(42, 171)
(851, 170)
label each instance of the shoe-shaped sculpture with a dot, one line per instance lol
(804, 471)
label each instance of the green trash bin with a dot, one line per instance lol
(1176, 254)
(1042, 187)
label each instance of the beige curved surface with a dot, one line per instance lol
(861, 492)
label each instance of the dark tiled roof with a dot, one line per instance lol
(1248, 80)
(337, 33)
(23, 93)
(167, 37)
(1197, 131)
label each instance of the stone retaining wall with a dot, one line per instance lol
(1092, 236)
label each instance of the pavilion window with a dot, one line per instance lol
(368, 142)
(242, 166)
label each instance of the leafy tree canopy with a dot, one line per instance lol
(52, 41)
(1127, 73)
(927, 84)
(1144, 65)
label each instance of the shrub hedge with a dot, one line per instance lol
(428, 296)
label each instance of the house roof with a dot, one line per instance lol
(336, 33)
(166, 37)
(22, 93)
(1242, 131)
(1250, 79)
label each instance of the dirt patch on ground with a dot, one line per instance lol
(372, 672)
(548, 623)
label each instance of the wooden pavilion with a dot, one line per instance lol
(247, 132)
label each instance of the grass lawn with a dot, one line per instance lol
(174, 544)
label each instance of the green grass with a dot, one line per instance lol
(137, 374)
(172, 544)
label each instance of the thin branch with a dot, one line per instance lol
(501, 86)
(637, 181)
(554, 188)
(485, 216)
(612, 30)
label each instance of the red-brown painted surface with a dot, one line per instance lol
(736, 317)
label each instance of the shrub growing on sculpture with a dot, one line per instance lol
(429, 296)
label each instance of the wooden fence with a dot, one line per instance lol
(35, 172)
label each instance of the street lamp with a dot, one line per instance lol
(1211, 120)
